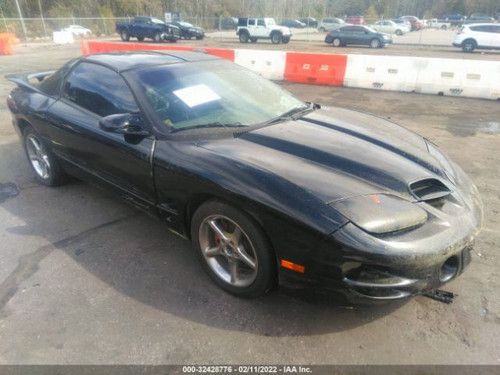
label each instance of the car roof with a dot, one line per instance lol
(122, 61)
(481, 24)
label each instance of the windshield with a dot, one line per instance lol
(213, 93)
(186, 24)
(156, 20)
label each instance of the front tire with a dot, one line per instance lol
(157, 37)
(233, 249)
(42, 161)
(375, 43)
(276, 38)
(140, 38)
(399, 32)
(337, 42)
(285, 39)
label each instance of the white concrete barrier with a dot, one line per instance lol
(269, 64)
(395, 73)
(62, 37)
(468, 78)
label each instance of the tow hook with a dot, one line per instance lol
(441, 295)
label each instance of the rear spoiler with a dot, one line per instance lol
(25, 80)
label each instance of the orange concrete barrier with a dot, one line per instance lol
(5, 46)
(89, 47)
(319, 69)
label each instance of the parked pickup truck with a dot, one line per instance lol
(437, 24)
(148, 27)
(252, 29)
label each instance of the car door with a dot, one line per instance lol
(90, 92)
(137, 27)
(381, 26)
(346, 34)
(357, 35)
(495, 36)
(261, 30)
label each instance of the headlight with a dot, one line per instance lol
(443, 160)
(380, 213)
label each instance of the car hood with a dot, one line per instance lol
(336, 153)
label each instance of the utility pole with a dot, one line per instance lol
(22, 20)
(43, 21)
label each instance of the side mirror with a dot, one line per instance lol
(124, 123)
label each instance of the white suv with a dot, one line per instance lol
(481, 35)
(252, 29)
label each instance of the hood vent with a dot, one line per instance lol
(429, 189)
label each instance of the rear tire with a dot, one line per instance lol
(42, 161)
(125, 35)
(399, 32)
(233, 249)
(469, 45)
(276, 38)
(244, 37)
(253, 40)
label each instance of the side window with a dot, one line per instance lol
(261, 23)
(99, 90)
(251, 22)
(480, 28)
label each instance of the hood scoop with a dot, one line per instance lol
(429, 189)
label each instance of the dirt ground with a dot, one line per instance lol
(86, 279)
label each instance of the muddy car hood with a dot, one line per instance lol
(336, 153)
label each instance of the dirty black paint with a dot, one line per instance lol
(8, 190)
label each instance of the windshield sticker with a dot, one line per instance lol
(196, 95)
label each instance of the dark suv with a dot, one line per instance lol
(359, 35)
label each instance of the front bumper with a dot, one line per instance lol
(368, 268)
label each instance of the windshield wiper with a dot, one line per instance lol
(210, 125)
(293, 114)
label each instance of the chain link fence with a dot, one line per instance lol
(39, 28)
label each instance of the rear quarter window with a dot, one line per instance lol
(99, 90)
(52, 84)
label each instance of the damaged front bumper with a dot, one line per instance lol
(366, 267)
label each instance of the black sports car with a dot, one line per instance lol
(189, 31)
(267, 187)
